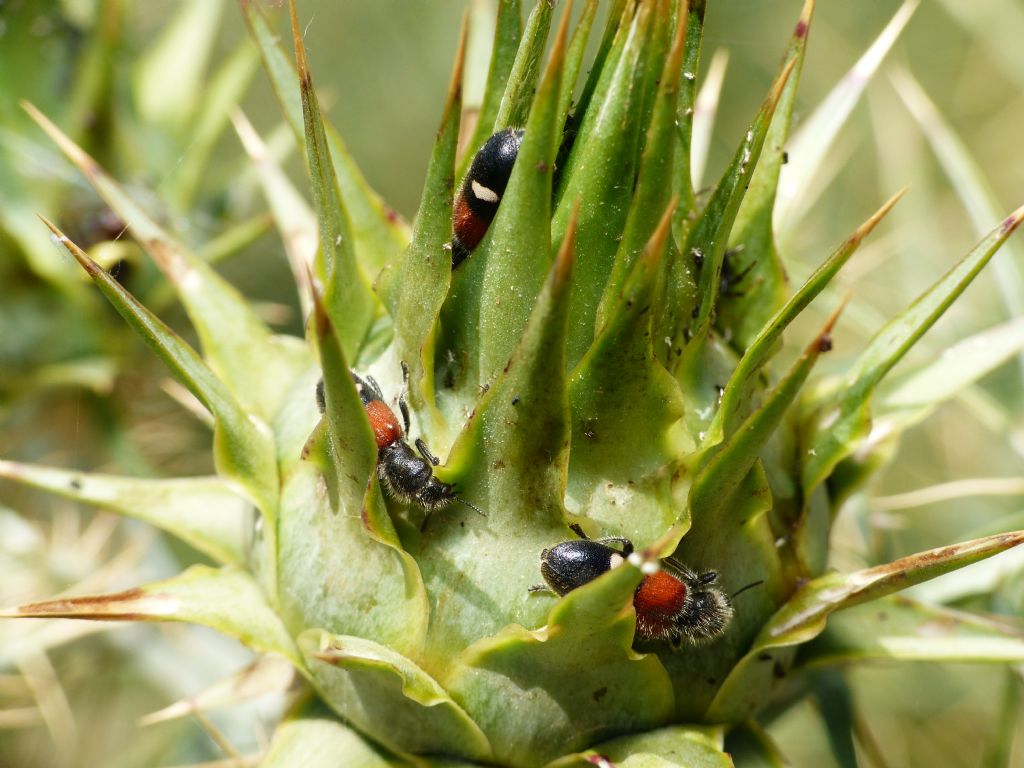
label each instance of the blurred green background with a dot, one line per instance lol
(77, 390)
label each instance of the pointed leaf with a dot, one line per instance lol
(598, 176)
(717, 481)
(225, 599)
(840, 426)
(388, 697)
(379, 233)
(353, 449)
(625, 438)
(737, 397)
(654, 182)
(243, 447)
(577, 675)
(482, 318)
(424, 273)
(757, 279)
(805, 615)
(682, 184)
(255, 366)
(349, 300)
(518, 481)
(816, 135)
(201, 511)
(900, 629)
(915, 395)
(522, 78)
(507, 32)
(574, 54)
(695, 277)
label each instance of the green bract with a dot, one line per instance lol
(606, 357)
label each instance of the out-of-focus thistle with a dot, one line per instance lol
(604, 358)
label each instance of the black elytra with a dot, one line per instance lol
(481, 191)
(571, 564)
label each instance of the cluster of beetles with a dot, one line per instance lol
(673, 602)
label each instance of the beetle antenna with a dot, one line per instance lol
(741, 590)
(470, 505)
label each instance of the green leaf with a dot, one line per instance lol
(718, 479)
(257, 367)
(350, 302)
(518, 481)
(678, 746)
(574, 54)
(325, 530)
(387, 696)
(225, 599)
(168, 85)
(598, 176)
(812, 141)
(900, 629)
(342, 568)
(841, 424)
(507, 32)
(482, 318)
(682, 184)
(737, 397)
(353, 449)
(379, 233)
(522, 78)
(912, 397)
(654, 181)
(694, 278)
(625, 436)
(424, 273)
(805, 615)
(315, 739)
(243, 447)
(201, 511)
(756, 276)
(577, 676)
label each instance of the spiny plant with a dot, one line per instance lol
(606, 357)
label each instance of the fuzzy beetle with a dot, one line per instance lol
(673, 603)
(405, 475)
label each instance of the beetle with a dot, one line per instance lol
(673, 602)
(406, 475)
(481, 191)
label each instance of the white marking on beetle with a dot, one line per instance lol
(615, 561)
(636, 560)
(484, 193)
(650, 568)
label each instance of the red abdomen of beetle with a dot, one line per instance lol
(386, 428)
(658, 601)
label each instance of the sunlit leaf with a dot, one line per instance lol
(202, 511)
